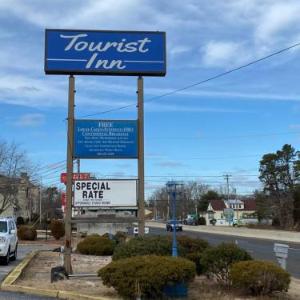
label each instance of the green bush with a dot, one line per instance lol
(96, 245)
(155, 245)
(259, 277)
(57, 228)
(192, 249)
(158, 245)
(191, 245)
(146, 276)
(217, 261)
(120, 237)
(27, 233)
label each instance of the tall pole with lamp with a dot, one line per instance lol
(172, 191)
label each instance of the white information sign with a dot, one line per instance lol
(105, 193)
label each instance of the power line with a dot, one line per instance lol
(224, 137)
(155, 98)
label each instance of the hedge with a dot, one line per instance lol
(96, 245)
(259, 277)
(146, 276)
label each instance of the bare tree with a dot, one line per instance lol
(13, 161)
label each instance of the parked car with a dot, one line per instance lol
(8, 240)
(170, 226)
(189, 221)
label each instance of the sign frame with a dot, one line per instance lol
(107, 156)
(107, 72)
(107, 206)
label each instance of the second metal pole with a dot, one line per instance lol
(141, 174)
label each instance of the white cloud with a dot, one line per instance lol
(279, 16)
(223, 53)
(30, 120)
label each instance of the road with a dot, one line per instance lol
(258, 248)
(23, 250)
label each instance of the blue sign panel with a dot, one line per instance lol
(105, 52)
(105, 139)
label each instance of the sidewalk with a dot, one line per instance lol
(275, 235)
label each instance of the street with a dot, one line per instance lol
(258, 248)
(23, 250)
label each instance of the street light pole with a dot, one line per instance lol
(174, 244)
(172, 191)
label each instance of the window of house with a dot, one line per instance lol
(210, 215)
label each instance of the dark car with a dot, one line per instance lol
(170, 226)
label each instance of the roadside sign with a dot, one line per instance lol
(76, 176)
(105, 193)
(99, 52)
(105, 139)
(281, 253)
(229, 214)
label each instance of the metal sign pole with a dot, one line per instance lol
(70, 143)
(141, 191)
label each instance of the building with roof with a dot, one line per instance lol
(232, 211)
(19, 197)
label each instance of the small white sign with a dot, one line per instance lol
(105, 193)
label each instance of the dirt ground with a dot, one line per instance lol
(37, 274)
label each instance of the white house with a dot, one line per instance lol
(243, 211)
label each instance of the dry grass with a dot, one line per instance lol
(37, 274)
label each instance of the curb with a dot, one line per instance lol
(8, 285)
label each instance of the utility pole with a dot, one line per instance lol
(70, 144)
(226, 176)
(40, 194)
(141, 171)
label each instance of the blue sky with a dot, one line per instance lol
(223, 126)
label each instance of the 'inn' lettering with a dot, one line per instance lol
(78, 43)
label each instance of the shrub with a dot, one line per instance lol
(57, 228)
(146, 276)
(27, 233)
(202, 221)
(155, 245)
(120, 237)
(193, 249)
(189, 248)
(259, 277)
(96, 245)
(217, 260)
(191, 245)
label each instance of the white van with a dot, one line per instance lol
(8, 240)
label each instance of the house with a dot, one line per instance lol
(19, 197)
(232, 211)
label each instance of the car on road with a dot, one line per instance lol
(170, 226)
(8, 240)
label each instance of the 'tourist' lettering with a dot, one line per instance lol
(78, 43)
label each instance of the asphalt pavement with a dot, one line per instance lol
(257, 248)
(23, 250)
